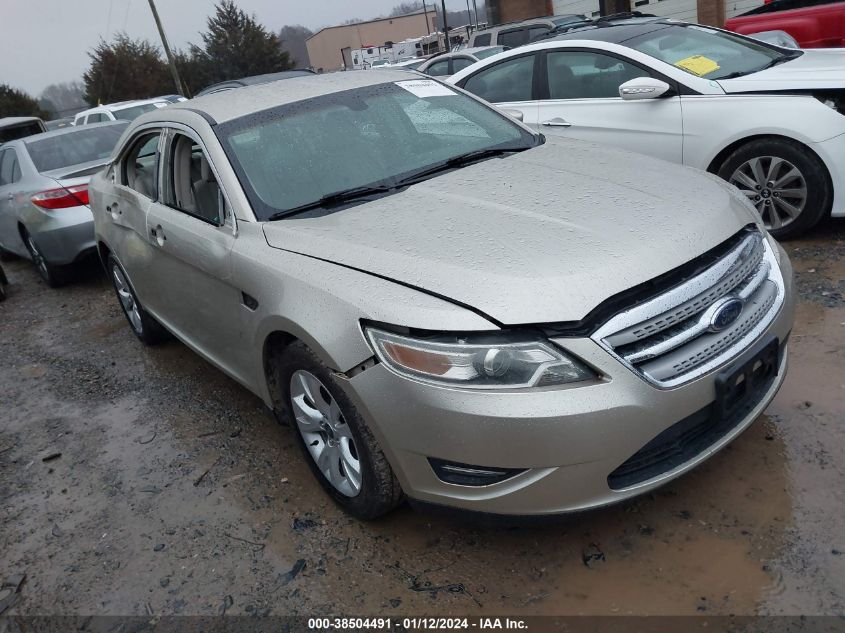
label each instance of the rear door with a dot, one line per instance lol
(10, 177)
(580, 99)
(508, 84)
(136, 184)
(191, 231)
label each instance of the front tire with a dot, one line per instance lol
(3, 284)
(784, 180)
(146, 328)
(340, 449)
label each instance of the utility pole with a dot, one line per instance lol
(170, 60)
(445, 26)
(469, 18)
(425, 10)
(475, 5)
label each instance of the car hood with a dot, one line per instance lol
(815, 69)
(540, 236)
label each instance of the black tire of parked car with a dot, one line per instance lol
(380, 490)
(3, 284)
(54, 276)
(5, 255)
(819, 188)
(150, 332)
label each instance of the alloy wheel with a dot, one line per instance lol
(775, 186)
(37, 257)
(325, 432)
(127, 299)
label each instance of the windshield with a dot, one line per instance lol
(132, 112)
(298, 153)
(488, 52)
(82, 145)
(707, 52)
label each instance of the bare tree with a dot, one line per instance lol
(293, 42)
(65, 98)
(405, 7)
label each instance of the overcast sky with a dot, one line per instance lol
(45, 41)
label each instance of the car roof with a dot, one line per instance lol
(17, 120)
(615, 31)
(220, 107)
(516, 24)
(472, 50)
(253, 80)
(118, 105)
(70, 130)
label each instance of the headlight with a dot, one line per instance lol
(488, 362)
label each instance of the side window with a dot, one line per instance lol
(536, 31)
(511, 80)
(438, 69)
(79, 121)
(587, 75)
(459, 63)
(191, 185)
(10, 171)
(481, 40)
(96, 117)
(514, 37)
(140, 166)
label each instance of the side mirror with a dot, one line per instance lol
(516, 114)
(643, 88)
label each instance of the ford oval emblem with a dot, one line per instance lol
(726, 313)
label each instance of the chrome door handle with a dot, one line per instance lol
(557, 122)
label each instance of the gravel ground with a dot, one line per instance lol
(137, 481)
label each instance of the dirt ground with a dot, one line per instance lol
(138, 481)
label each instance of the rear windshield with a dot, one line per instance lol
(21, 130)
(132, 112)
(82, 145)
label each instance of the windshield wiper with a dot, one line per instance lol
(458, 161)
(774, 62)
(332, 199)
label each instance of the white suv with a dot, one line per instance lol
(123, 111)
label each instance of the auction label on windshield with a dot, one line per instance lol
(425, 88)
(698, 65)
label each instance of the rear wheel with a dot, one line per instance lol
(54, 276)
(785, 181)
(340, 448)
(3, 284)
(145, 327)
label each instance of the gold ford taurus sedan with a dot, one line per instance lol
(443, 304)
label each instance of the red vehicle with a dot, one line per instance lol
(813, 23)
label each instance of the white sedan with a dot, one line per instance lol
(769, 120)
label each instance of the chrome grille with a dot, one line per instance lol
(669, 339)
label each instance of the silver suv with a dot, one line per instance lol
(513, 34)
(444, 304)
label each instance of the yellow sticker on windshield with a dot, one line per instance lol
(698, 65)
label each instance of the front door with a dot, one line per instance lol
(582, 101)
(508, 84)
(192, 231)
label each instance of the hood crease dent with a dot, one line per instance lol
(541, 236)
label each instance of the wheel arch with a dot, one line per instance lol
(721, 156)
(103, 252)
